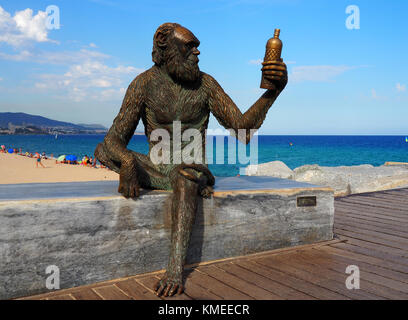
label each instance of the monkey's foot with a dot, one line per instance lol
(169, 286)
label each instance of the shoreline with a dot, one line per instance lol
(15, 169)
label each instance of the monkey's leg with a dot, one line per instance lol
(184, 207)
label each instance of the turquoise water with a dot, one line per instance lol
(322, 150)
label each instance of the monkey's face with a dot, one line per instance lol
(181, 56)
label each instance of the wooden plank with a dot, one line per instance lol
(365, 285)
(367, 214)
(111, 292)
(347, 235)
(148, 282)
(399, 235)
(61, 297)
(396, 206)
(85, 294)
(263, 282)
(391, 198)
(196, 292)
(330, 258)
(392, 241)
(324, 277)
(386, 200)
(374, 253)
(293, 282)
(383, 286)
(365, 258)
(357, 221)
(311, 262)
(375, 211)
(384, 281)
(239, 284)
(135, 290)
(369, 239)
(372, 206)
(217, 287)
(377, 246)
(359, 215)
(380, 196)
(399, 192)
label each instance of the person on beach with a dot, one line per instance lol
(38, 161)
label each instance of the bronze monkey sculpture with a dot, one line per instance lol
(174, 89)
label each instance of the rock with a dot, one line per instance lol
(354, 179)
(343, 179)
(392, 163)
(276, 169)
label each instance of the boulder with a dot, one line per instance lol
(347, 180)
(276, 169)
(344, 180)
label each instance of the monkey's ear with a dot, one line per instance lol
(161, 40)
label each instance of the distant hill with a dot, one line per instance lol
(93, 126)
(22, 121)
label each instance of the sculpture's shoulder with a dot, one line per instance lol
(142, 80)
(208, 82)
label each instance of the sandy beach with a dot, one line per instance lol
(20, 169)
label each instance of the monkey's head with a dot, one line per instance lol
(175, 50)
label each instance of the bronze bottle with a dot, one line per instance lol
(272, 53)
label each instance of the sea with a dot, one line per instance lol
(294, 151)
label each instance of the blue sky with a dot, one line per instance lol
(341, 81)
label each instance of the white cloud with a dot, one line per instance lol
(322, 73)
(1, 79)
(376, 96)
(63, 57)
(90, 80)
(23, 27)
(255, 62)
(93, 45)
(401, 87)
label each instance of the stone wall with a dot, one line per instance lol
(101, 238)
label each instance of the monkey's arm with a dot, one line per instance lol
(228, 114)
(119, 135)
(125, 123)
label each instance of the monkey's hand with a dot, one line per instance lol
(128, 182)
(277, 73)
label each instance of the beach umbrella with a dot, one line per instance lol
(61, 158)
(71, 157)
(10, 150)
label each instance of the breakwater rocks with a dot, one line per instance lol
(344, 180)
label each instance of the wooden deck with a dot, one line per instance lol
(371, 232)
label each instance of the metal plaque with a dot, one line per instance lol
(306, 201)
